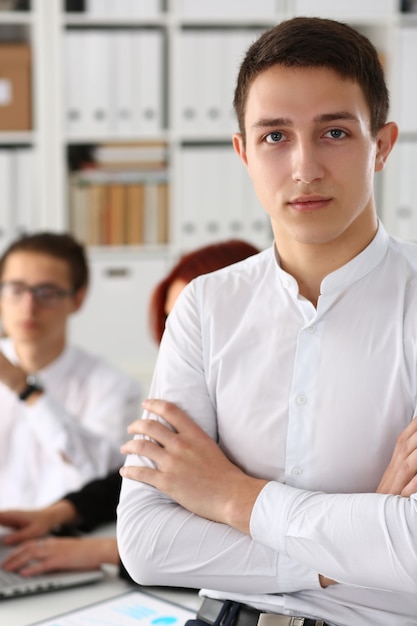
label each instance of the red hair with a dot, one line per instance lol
(201, 261)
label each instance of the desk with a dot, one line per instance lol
(28, 610)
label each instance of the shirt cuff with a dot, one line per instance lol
(268, 522)
(268, 526)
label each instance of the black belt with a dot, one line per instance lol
(228, 613)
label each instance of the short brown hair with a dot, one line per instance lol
(59, 245)
(316, 42)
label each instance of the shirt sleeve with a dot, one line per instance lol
(161, 543)
(366, 540)
(88, 443)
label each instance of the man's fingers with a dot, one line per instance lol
(170, 412)
(143, 447)
(141, 474)
(152, 428)
(410, 487)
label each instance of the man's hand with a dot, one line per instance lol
(191, 468)
(400, 477)
(11, 375)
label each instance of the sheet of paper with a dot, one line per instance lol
(129, 609)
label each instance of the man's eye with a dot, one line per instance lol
(46, 293)
(336, 133)
(16, 289)
(274, 137)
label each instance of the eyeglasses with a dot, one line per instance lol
(44, 294)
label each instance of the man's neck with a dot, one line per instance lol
(33, 358)
(309, 264)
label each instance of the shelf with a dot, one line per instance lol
(17, 137)
(15, 17)
(88, 21)
(185, 86)
(126, 138)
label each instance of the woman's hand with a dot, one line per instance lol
(36, 523)
(61, 553)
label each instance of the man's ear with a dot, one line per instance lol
(386, 138)
(239, 146)
(78, 298)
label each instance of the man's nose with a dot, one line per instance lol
(306, 166)
(28, 299)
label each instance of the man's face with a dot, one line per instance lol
(25, 318)
(310, 154)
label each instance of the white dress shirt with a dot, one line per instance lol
(312, 399)
(70, 435)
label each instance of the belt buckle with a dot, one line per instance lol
(272, 619)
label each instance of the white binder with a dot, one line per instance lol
(7, 206)
(122, 77)
(148, 87)
(24, 184)
(407, 84)
(98, 7)
(238, 42)
(231, 8)
(406, 209)
(188, 221)
(189, 100)
(233, 196)
(73, 81)
(214, 98)
(144, 8)
(96, 76)
(346, 9)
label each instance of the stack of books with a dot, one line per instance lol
(122, 197)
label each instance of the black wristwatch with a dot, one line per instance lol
(32, 385)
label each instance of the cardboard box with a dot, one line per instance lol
(15, 87)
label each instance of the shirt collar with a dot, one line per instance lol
(361, 265)
(344, 276)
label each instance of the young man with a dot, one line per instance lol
(64, 411)
(298, 367)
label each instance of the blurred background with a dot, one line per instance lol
(116, 121)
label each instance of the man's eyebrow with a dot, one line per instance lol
(334, 117)
(266, 122)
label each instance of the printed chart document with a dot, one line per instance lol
(128, 609)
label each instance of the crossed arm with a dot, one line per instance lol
(192, 469)
(189, 467)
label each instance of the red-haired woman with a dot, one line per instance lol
(201, 261)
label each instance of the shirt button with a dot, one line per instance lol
(286, 283)
(301, 399)
(311, 329)
(297, 471)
